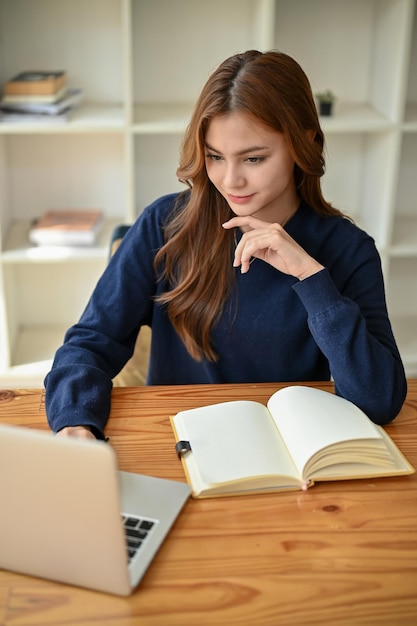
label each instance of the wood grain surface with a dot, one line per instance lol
(340, 554)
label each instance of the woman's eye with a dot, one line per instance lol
(213, 157)
(255, 159)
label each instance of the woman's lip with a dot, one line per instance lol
(240, 199)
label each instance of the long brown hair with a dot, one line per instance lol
(196, 259)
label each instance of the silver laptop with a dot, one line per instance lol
(67, 514)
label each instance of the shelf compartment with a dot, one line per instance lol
(402, 307)
(32, 356)
(361, 61)
(410, 118)
(401, 288)
(404, 239)
(405, 201)
(198, 36)
(359, 178)
(18, 249)
(45, 295)
(69, 171)
(44, 34)
(405, 334)
(153, 175)
(36, 345)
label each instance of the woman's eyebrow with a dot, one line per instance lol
(241, 152)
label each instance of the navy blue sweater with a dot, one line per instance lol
(273, 328)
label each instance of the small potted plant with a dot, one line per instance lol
(325, 101)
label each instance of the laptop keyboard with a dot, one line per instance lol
(137, 530)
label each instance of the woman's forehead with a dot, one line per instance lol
(239, 130)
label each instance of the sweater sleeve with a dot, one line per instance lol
(78, 387)
(353, 331)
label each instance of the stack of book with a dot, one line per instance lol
(66, 227)
(38, 96)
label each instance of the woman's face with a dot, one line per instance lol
(251, 166)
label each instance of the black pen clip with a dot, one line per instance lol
(182, 447)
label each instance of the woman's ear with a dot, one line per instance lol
(310, 134)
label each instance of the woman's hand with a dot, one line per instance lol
(272, 244)
(82, 432)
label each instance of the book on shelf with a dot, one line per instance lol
(34, 98)
(36, 83)
(68, 227)
(303, 435)
(71, 99)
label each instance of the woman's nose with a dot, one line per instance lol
(233, 177)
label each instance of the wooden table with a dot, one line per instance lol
(340, 554)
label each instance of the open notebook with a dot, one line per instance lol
(68, 514)
(303, 435)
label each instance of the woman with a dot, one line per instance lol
(248, 275)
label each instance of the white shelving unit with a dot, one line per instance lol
(141, 64)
